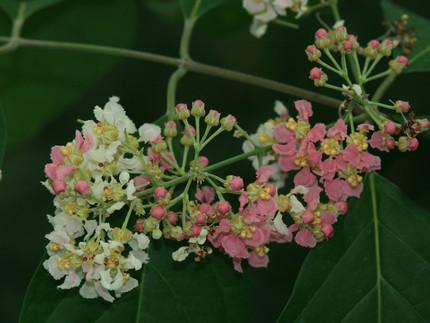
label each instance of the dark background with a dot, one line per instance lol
(221, 38)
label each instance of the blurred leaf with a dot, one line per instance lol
(196, 8)
(32, 6)
(339, 279)
(168, 10)
(210, 291)
(3, 137)
(37, 84)
(419, 60)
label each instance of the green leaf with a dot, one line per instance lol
(196, 8)
(375, 269)
(3, 137)
(419, 59)
(209, 291)
(12, 6)
(39, 84)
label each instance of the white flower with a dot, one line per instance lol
(181, 254)
(93, 290)
(128, 286)
(301, 189)
(124, 177)
(201, 238)
(280, 109)
(139, 241)
(71, 224)
(130, 164)
(73, 279)
(114, 114)
(90, 226)
(258, 28)
(109, 282)
(149, 132)
(130, 190)
(115, 207)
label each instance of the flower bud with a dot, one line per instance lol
(388, 127)
(386, 47)
(405, 144)
(187, 140)
(198, 109)
(228, 122)
(212, 118)
(401, 106)
(341, 34)
(398, 64)
(82, 187)
(182, 111)
(313, 53)
(413, 144)
(372, 49)
(233, 183)
(346, 47)
(200, 218)
(139, 226)
(353, 40)
(170, 129)
(223, 207)
(342, 206)
(318, 76)
(172, 218)
(307, 217)
(389, 143)
(321, 39)
(159, 145)
(195, 229)
(425, 124)
(160, 193)
(158, 212)
(327, 230)
(59, 186)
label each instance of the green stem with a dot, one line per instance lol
(330, 67)
(286, 23)
(171, 162)
(184, 204)
(187, 125)
(345, 69)
(133, 203)
(208, 129)
(245, 134)
(237, 158)
(216, 133)
(184, 157)
(216, 188)
(374, 77)
(375, 62)
(335, 10)
(334, 87)
(187, 65)
(382, 105)
(333, 60)
(171, 92)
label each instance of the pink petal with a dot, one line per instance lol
(286, 163)
(51, 171)
(256, 261)
(282, 133)
(288, 149)
(89, 142)
(63, 171)
(237, 264)
(243, 199)
(317, 133)
(264, 173)
(305, 238)
(56, 156)
(312, 197)
(304, 108)
(328, 217)
(267, 207)
(79, 139)
(305, 178)
(338, 130)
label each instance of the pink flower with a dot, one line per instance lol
(282, 133)
(205, 194)
(305, 178)
(377, 141)
(82, 187)
(264, 173)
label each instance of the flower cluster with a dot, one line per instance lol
(90, 180)
(265, 11)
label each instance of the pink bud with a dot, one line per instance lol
(195, 229)
(139, 181)
(307, 217)
(413, 144)
(193, 130)
(321, 33)
(199, 103)
(402, 59)
(343, 206)
(352, 37)
(204, 208)
(389, 143)
(200, 218)
(158, 212)
(388, 42)
(139, 226)
(390, 128)
(347, 45)
(160, 193)
(172, 218)
(316, 73)
(236, 183)
(223, 207)
(272, 189)
(327, 230)
(310, 49)
(181, 107)
(404, 106)
(171, 124)
(425, 123)
(82, 187)
(203, 160)
(59, 186)
(374, 43)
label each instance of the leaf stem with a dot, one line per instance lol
(188, 65)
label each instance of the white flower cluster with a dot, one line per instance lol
(265, 136)
(265, 11)
(91, 180)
